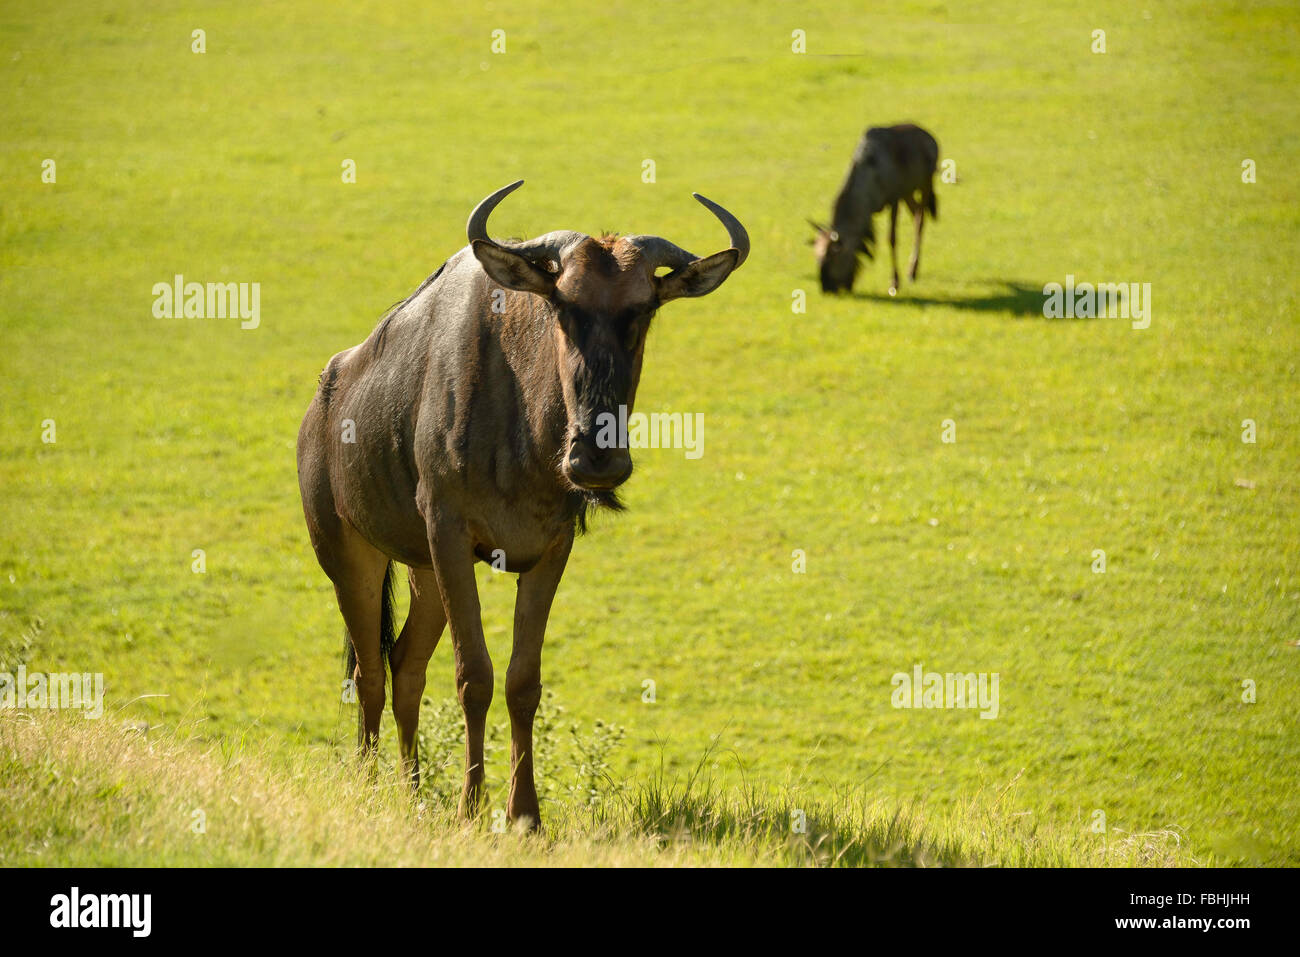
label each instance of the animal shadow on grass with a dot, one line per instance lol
(1022, 300)
(822, 836)
(821, 833)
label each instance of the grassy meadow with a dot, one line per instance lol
(1160, 693)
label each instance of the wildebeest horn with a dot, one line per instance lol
(660, 252)
(476, 228)
(735, 231)
(549, 247)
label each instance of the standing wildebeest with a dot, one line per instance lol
(891, 163)
(466, 428)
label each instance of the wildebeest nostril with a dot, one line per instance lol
(596, 467)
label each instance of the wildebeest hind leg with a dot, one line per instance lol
(918, 214)
(893, 246)
(357, 570)
(409, 661)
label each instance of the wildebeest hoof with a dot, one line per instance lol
(893, 290)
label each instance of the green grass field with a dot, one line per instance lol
(1120, 692)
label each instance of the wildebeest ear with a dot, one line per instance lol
(699, 278)
(512, 270)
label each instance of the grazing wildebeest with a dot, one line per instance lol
(891, 163)
(466, 428)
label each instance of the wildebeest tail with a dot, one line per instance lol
(932, 204)
(387, 629)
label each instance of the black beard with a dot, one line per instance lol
(582, 501)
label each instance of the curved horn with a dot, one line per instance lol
(476, 228)
(660, 252)
(735, 232)
(548, 248)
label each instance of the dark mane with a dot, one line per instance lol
(377, 340)
(326, 383)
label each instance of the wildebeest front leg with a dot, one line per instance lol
(524, 676)
(453, 563)
(918, 214)
(893, 245)
(409, 660)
